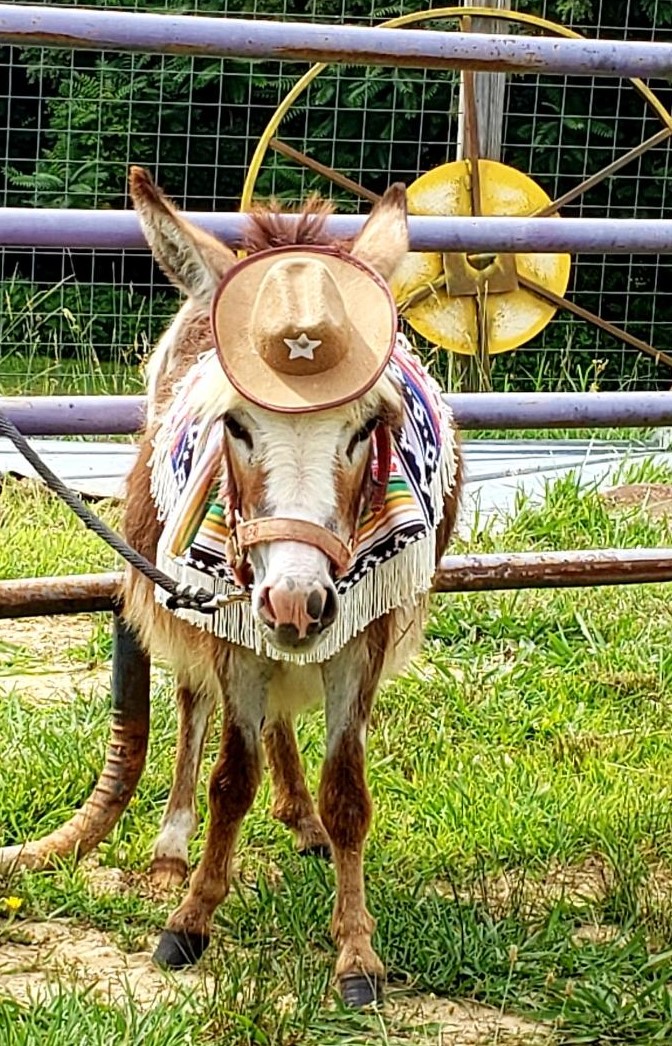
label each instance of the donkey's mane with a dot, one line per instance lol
(268, 227)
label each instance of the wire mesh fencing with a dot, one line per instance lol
(73, 123)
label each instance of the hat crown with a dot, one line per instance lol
(303, 328)
(299, 324)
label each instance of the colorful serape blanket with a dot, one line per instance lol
(393, 560)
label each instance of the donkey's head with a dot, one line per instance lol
(299, 475)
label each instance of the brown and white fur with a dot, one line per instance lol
(308, 466)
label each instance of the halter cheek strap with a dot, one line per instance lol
(245, 533)
(384, 463)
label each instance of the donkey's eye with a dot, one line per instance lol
(362, 435)
(237, 430)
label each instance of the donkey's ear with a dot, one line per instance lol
(383, 241)
(191, 258)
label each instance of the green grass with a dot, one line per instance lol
(74, 1018)
(48, 349)
(534, 732)
(81, 376)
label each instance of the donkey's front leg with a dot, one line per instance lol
(233, 785)
(350, 681)
(170, 863)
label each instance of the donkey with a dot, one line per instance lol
(306, 475)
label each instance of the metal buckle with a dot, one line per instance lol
(188, 597)
(222, 599)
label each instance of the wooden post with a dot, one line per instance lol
(488, 93)
(479, 134)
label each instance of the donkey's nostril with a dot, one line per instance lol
(315, 604)
(330, 608)
(266, 607)
(294, 614)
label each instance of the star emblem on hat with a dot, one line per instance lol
(301, 347)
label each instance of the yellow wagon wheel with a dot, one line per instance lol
(489, 304)
(448, 316)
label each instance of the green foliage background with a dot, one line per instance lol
(74, 122)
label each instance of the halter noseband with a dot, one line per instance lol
(245, 533)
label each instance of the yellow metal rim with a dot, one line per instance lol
(511, 316)
(439, 14)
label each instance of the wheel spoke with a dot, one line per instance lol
(591, 317)
(595, 179)
(326, 172)
(471, 151)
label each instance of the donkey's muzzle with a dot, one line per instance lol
(297, 613)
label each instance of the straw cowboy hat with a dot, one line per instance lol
(303, 328)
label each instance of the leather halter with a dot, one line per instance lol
(245, 533)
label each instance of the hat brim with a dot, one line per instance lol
(370, 309)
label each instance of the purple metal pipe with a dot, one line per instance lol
(72, 28)
(29, 227)
(117, 415)
(561, 410)
(75, 415)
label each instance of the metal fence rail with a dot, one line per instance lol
(490, 572)
(124, 415)
(22, 227)
(73, 29)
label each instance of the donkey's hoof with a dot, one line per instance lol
(361, 989)
(168, 872)
(322, 850)
(178, 948)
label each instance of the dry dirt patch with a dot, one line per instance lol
(39, 658)
(114, 882)
(52, 638)
(654, 498)
(596, 933)
(585, 883)
(55, 683)
(37, 957)
(448, 1022)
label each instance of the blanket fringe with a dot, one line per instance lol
(399, 581)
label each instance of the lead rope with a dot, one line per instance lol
(186, 597)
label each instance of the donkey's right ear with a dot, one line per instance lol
(192, 259)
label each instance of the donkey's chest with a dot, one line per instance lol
(294, 688)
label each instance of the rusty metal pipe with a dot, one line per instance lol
(583, 568)
(70, 594)
(580, 568)
(126, 752)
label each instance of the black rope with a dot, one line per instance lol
(180, 596)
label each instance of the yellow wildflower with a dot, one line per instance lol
(12, 904)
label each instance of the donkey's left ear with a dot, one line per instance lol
(383, 241)
(191, 258)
